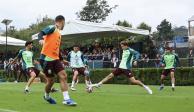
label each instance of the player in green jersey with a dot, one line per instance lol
(169, 61)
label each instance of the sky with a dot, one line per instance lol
(25, 12)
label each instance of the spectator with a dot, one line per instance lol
(114, 60)
(190, 58)
(157, 61)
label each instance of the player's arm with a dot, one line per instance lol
(162, 61)
(84, 60)
(136, 56)
(19, 56)
(177, 60)
(46, 31)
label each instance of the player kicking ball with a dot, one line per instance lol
(50, 38)
(169, 61)
(79, 66)
(129, 57)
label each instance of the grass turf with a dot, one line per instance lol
(109, 98)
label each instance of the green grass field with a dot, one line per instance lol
(109, 98)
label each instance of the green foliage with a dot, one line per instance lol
(124, 23)
(165, 30)
(95, 11)
(150, 76)
(144, 26)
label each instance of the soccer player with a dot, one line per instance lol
(79, 66)
(129, 57)
(50, 38)
(169, 61)
(26, 55)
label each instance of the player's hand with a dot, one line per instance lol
(135, 63)
(162, 65)
(41, 42)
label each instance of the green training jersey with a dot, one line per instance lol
(170, 60)
(27, 58)
(128, 56)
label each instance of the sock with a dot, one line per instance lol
(47, 96)
(87, 83)
(66, 95)
(100, 83)
(162, 85)
(145, 86)
(72, 84)
(26, 88)
(173, 85)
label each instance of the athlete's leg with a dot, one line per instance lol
(172, 79)
(137, 82)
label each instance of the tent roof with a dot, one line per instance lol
(76, 28)
(192, 18)
(11, 41)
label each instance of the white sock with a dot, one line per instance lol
(173, 85)
(47, 96)
(100, 83)
(87, 83)
(66, 95)
(145, 86)
(72, 84)
(162, 85)
(26, 88)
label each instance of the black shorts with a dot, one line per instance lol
(28, 71)
(166, 72)
(80, 70)
(119, 71)
(51, 67)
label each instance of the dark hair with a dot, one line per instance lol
(125, 43)
(59, 18)
(28, 43)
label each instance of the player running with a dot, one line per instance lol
(169, 61)
(129, 57)
(50, 38)
(79, 66)
(26, 55)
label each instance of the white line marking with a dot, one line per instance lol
(6, 110)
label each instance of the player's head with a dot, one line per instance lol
(29, 44)
(168, 49)
(75, 48)
(60, 22)
(124, 44)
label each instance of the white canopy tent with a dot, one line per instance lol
(11, 41)
(76, 28)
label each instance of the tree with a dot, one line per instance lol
(144, 26)
(95, 11)
(124, 23)
(165, 30)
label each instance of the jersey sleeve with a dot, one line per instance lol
(177, 59)
(69, 56)
(48, 30)
(20, 54)
(136, 54)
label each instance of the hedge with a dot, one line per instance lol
(150, 76)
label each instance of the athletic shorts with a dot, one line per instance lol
(80, 70)
(51, 67)
(32, 69)
(168, 71)
(119, 71)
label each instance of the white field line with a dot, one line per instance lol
(6, 110)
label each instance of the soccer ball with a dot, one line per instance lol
(89, 89)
